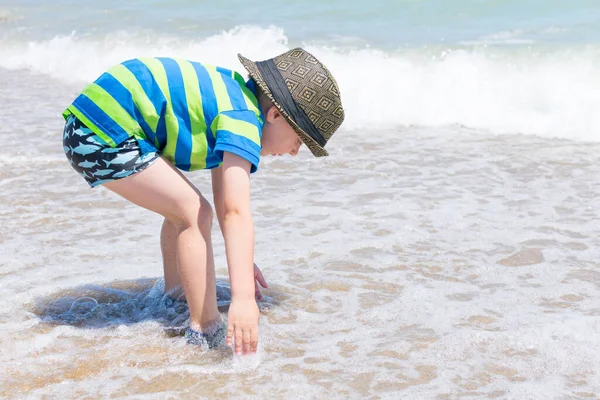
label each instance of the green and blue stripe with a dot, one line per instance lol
(189, 111)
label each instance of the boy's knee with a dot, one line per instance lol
(195, 215)
(205, 214)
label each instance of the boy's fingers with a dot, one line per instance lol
(238, 340)
(246, 338)
(229, 334)
(261, 279)
(254, 341)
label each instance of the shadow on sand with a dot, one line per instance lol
(121, 303)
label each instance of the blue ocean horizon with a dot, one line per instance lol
(498, 66)
(448, 247)
(385, 24)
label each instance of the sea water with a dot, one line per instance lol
(447, 248)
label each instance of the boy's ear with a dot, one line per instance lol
(272, 114)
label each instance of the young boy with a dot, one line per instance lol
(142, 120)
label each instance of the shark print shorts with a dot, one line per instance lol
(96, 160)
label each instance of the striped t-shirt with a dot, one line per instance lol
(190, 112)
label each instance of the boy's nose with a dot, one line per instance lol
(295, 150)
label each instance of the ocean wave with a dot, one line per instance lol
(523, 89)
(5, 15)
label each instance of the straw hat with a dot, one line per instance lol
(305, 93)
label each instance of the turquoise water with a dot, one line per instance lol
(381, 23)
(447, 248)
(495, 66)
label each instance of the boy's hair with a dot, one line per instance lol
(263, 99)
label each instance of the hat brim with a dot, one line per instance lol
(254, 73)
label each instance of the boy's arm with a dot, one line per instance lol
(238, 231)
(217, 187)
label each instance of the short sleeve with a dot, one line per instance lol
(238, 132)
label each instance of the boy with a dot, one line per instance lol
(142, 120)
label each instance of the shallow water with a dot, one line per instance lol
(415, 262)
(448, 248)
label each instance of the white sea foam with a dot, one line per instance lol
(533, 90)
(411, 263)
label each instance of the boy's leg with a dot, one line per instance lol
(168, 247)
(163, 189)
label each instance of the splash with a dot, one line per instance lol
(546, 91)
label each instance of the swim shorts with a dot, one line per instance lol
(97, 161)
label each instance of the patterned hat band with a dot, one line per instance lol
(282, 95)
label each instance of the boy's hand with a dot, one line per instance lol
(258, 279)
(242, 325)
